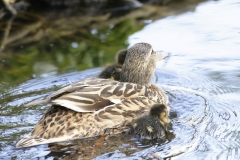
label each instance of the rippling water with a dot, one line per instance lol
(201, 78)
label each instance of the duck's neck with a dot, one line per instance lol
(135, 72)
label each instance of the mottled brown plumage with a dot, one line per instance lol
(97, 106)
(152, 126)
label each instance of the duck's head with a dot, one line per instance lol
(120, 56)
(161, 112)
(139, 64)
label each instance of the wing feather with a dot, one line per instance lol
(117, 115)
(92, 94)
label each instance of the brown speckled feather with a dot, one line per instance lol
(92, 95)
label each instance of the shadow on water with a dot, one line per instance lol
(203, 89)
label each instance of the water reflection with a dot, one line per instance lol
(201, 77)
(39, 43)
(59, 57)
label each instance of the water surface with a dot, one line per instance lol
(202, 74)
(201, 78)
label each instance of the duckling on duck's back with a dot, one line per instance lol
(113, 71)
(95, 106)
(152, 126)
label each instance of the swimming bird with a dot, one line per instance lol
(152, 126)
(95, 107)
(113, 71)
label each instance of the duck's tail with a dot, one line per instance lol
(29, 140)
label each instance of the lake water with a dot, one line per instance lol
(201, 77)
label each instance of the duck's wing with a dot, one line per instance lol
(60, 124)
(93, 94)
(118, 115)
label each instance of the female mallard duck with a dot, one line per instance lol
(95, 106)
(152, 126)
(113, 71)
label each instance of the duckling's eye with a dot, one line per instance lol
(166, 113)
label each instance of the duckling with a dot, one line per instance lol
(152, 126)
(113, 71)
(97, 107)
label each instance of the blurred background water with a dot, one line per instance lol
(200, 76)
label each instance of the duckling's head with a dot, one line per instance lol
(120, 56)
(161, 112)
(111, 72)
(139, 64)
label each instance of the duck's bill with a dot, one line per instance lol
(161, 55)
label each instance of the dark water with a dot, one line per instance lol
(201, 77)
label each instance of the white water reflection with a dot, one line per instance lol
(210, 34)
